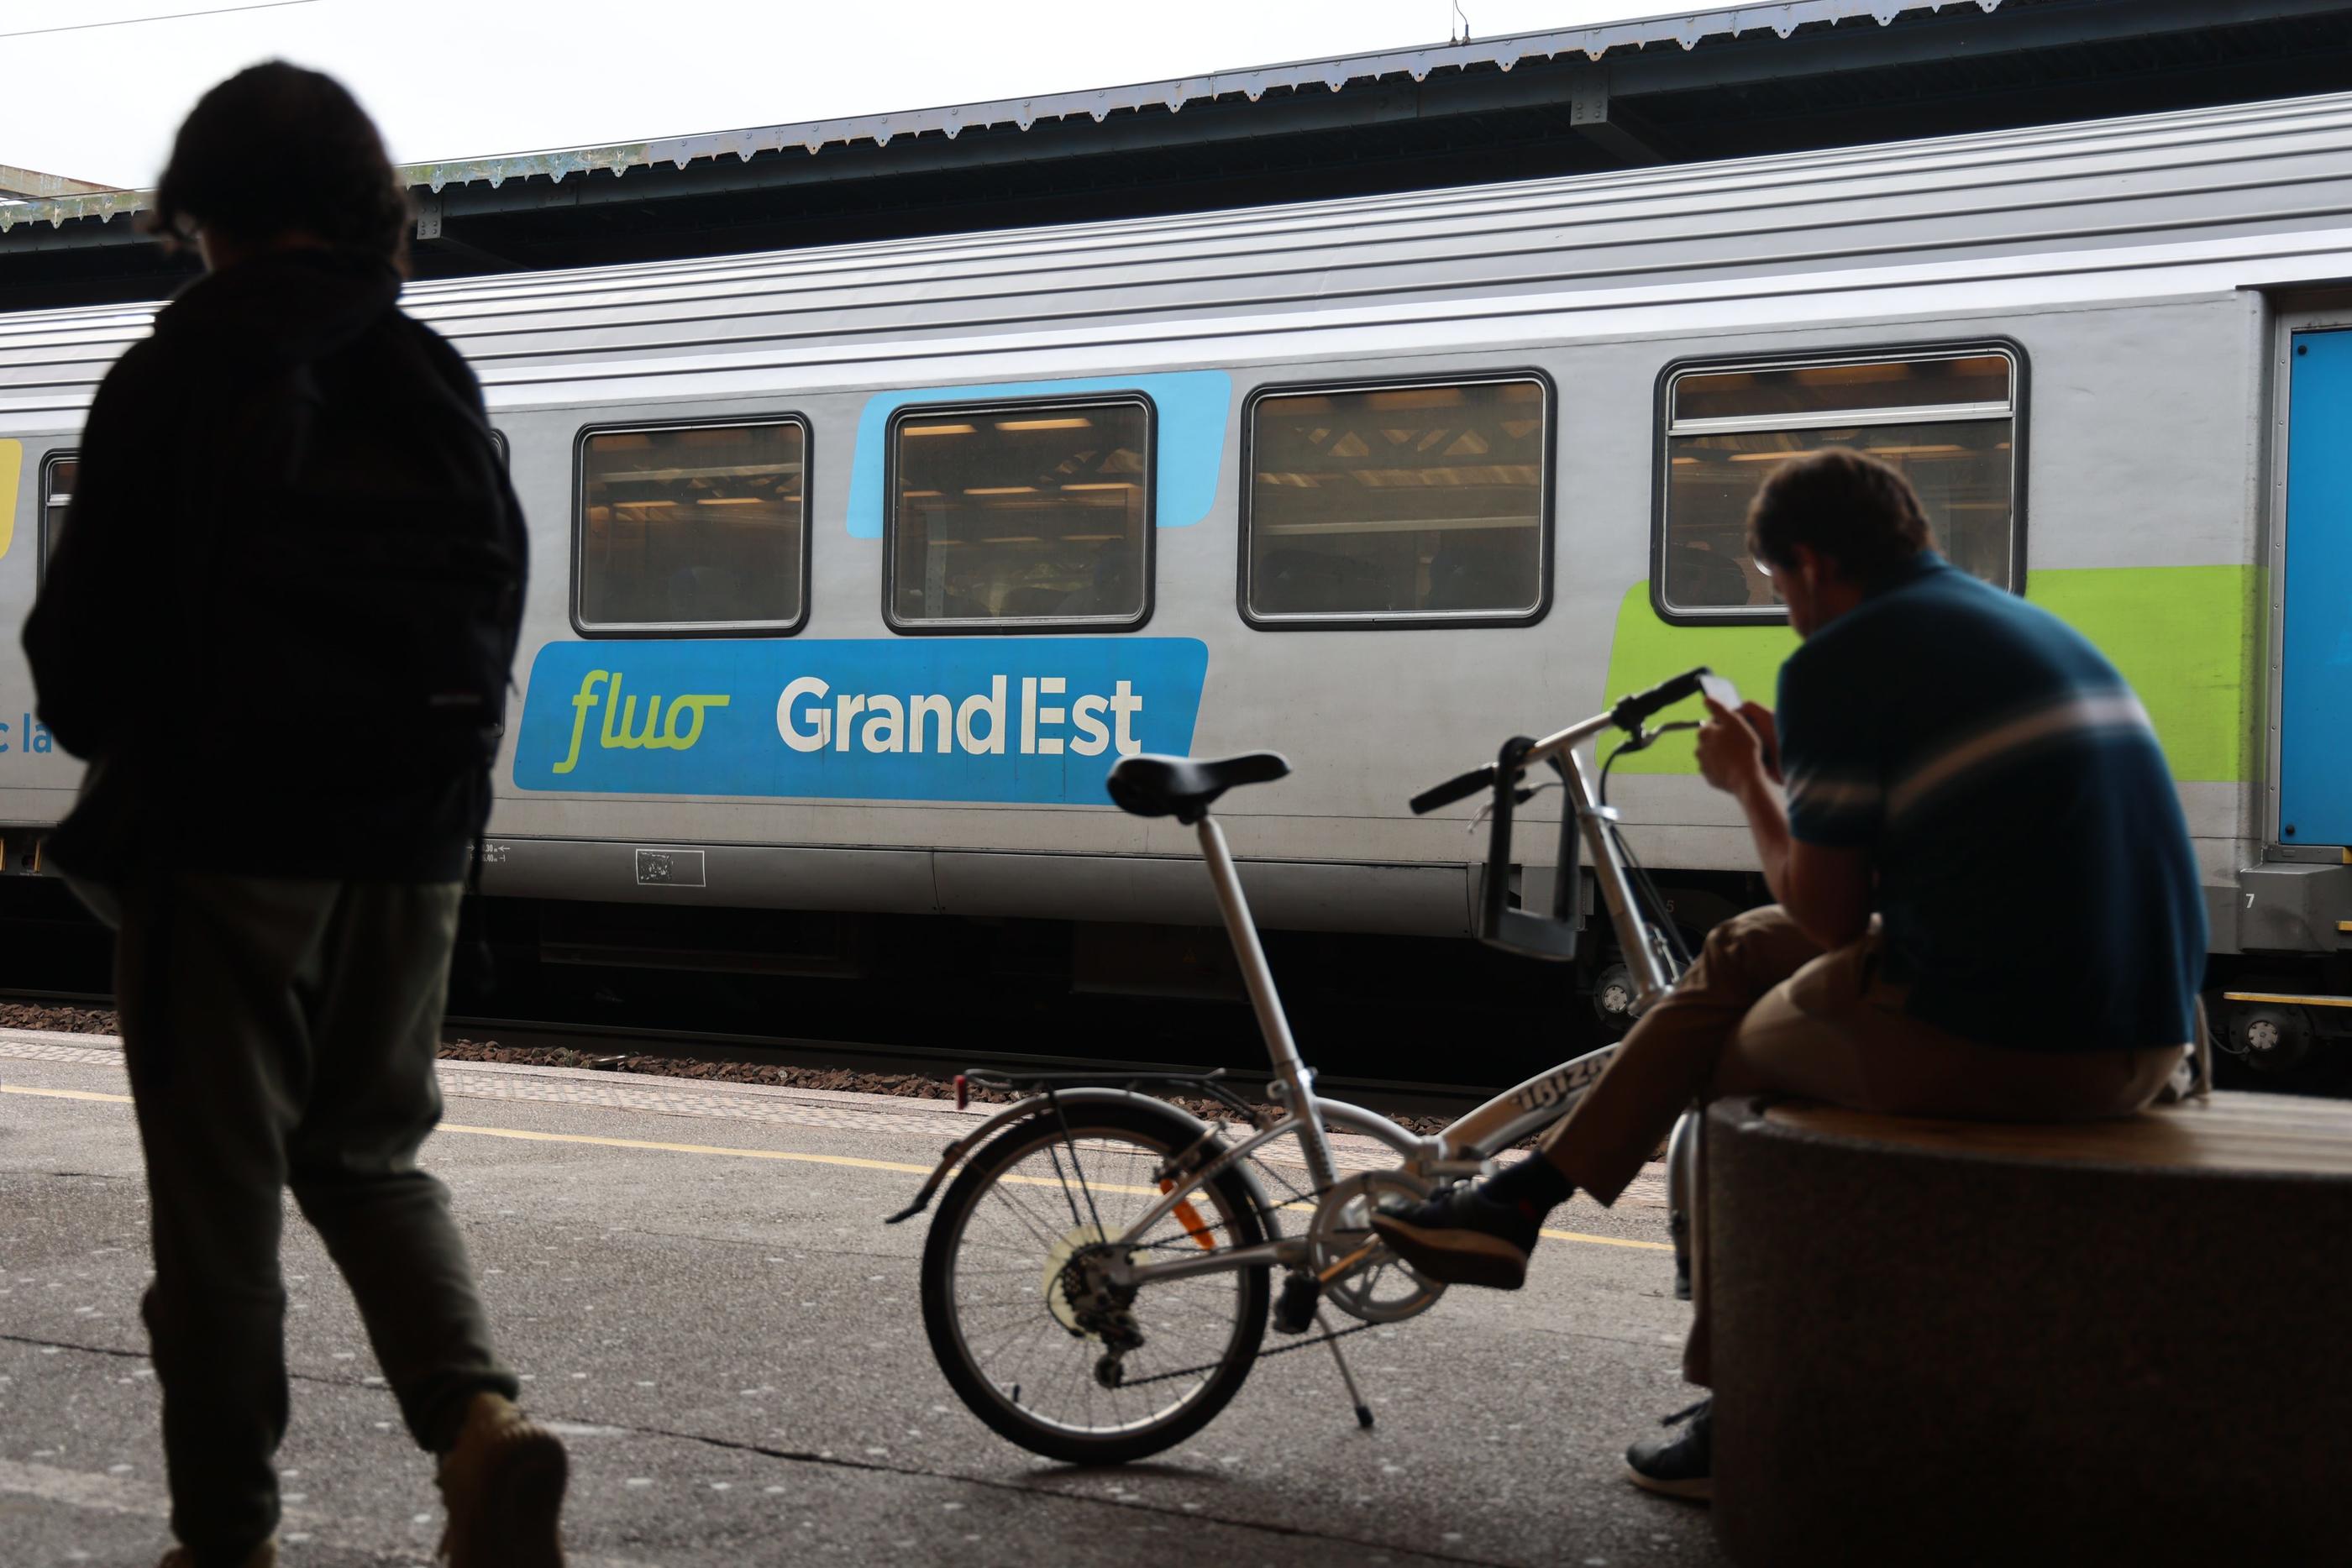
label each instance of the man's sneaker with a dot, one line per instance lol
(1682, 1464)
(503, 1482)
(262, 1556)
(1461, 1237)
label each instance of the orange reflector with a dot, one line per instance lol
(964, 1092)
(1189, 1219)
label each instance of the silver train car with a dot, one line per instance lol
(856, 567)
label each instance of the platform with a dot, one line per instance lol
(695, 1281)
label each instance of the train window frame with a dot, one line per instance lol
(53, 505)
(683, 630)
(1548, 490)
(1662, 430)
(1029, 625)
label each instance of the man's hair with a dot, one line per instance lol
(1856, 510)
(277, 150)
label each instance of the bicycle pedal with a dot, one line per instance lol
(1294, 1309)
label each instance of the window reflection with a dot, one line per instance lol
(700, 525)
(1947, 424)
(1398, 502)
(1031, 513)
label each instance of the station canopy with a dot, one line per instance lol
(1689, 88)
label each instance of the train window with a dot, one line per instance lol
(693, 527)
(1948, 419)
(56, 494)
(1412, 505)
(1024, 515)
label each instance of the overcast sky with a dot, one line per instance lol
(449, 79)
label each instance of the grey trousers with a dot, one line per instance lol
(280, 1033)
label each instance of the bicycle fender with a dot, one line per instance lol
(1036, 1104)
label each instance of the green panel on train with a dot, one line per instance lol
(2182, 635)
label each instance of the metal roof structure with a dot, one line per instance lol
(1699, 86)
(2257, 194)
(26, 186)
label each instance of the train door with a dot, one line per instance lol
(2314, 776)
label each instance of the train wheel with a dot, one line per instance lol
(1613, 999)
(2273, 1039)
(1032, 1342)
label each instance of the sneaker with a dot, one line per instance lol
(1461, 1237)
(503, 1482)
(1682, 1464)
(262, 1556)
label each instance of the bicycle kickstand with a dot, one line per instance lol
(1364, 1411)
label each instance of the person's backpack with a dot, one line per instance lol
(358, 571)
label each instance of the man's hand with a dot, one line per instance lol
(1768, 736)
(1730, 753)
(1828, 891)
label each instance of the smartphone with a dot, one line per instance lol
(1721, 690)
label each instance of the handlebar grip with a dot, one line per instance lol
(1453, 789)
(1629, 712)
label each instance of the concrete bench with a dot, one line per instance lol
(1957, 1343)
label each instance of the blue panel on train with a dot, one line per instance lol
(2316, 701)
(936, 719)
(1190, 409)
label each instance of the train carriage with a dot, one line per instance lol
(857, 567)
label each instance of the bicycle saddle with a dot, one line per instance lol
(1181, 788)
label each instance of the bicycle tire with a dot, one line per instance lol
(1152, 1128)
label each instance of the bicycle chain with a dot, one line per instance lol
(1262, 1354)
(1292, 1194)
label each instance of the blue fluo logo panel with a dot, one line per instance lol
(1190, 407)
(1035, 719)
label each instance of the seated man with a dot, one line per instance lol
(1975, 773)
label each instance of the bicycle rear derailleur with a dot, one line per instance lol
(1083, 1299)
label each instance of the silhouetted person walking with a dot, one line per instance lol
(279, 624)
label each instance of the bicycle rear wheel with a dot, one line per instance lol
(998, 1270)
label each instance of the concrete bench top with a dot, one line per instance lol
(2274, 1134)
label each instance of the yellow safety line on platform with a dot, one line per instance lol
(63, 1094)
(785, 1154)
(791, 1156)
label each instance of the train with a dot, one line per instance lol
(857, 567)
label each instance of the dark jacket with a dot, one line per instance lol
(153, 643)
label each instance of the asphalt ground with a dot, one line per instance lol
(695, 1280)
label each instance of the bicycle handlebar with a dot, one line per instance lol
(1628, 715)
(1453, 789)
(1629, 712)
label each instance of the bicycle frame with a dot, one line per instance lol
(1465, 1146)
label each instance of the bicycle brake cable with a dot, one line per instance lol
(1518, 798)
(1641, 740)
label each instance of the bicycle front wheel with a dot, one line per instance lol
(1033, 1352)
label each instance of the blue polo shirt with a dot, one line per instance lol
(2034, 871)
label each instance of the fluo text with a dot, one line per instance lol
(620, 731)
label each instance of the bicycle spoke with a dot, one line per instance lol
(1014, 1325)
